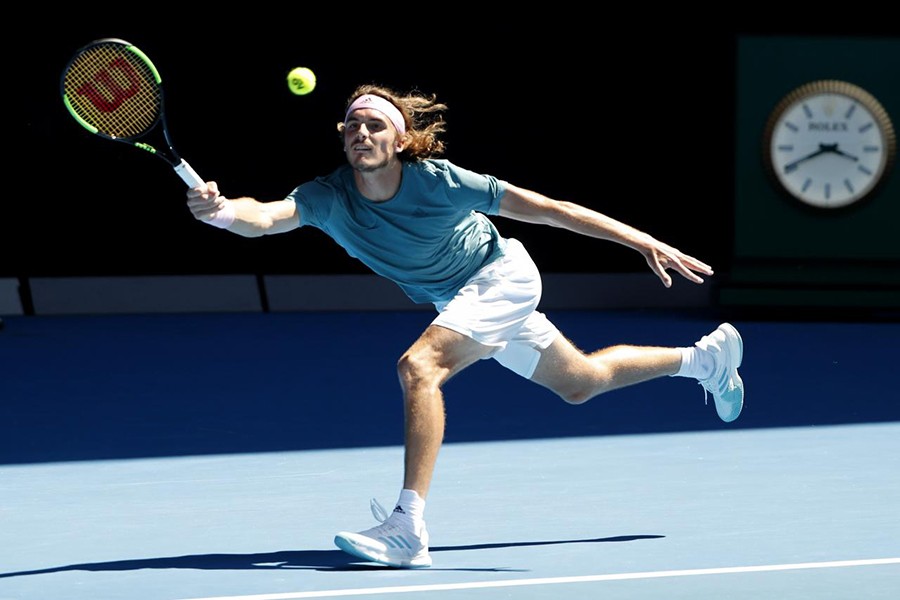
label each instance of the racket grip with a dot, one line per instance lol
(188, 175)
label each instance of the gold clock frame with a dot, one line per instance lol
(855, 93)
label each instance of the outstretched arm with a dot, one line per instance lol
(528, 206)
(244, 216)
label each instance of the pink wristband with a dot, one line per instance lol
(225, 217)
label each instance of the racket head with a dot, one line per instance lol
(112, 89)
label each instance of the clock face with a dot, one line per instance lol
(829, 144)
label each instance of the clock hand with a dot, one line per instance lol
(842, 153)
(823, 148)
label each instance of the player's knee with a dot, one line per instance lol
(575, 396)
(579, 391)
(568, 389)
(414, 370)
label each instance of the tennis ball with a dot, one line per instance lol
(301, 81)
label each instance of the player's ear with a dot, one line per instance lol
(401, 143)
(340, 132)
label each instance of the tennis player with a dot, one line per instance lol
(423, 223)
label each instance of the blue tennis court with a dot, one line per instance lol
(128, 471)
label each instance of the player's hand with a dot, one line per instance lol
(205, 202)
(662, 257)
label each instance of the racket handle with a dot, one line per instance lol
(188, 175)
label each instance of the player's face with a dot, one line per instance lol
(370, 140)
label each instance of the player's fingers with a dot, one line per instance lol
(687, 273)
(657, 267)
(696, 265)
(207, 190)
(675, 263)
(665, 278)
(202, 208)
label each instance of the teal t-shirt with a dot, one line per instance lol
(429, 239)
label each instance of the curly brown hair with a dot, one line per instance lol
(421, 115)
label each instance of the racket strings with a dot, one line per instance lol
(113, 90)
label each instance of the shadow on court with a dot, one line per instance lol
(317, 560)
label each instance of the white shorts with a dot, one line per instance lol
(497, 308)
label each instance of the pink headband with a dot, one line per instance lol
(381, 105)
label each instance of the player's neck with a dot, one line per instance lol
(379, 184)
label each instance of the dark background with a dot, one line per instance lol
(629, 116)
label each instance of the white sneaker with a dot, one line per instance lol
(725, 384)
(393, 543)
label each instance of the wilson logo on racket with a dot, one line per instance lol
(107, 79)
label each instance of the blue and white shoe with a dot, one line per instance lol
(393, 543)
(725, 384)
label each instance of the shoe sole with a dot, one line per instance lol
(736, 348)
(348, 546)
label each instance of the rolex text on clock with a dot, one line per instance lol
(829, 144)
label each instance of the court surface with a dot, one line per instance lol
(213, 457)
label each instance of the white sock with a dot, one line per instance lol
(696, 363)
(410, 508)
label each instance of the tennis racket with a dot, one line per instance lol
(113, 90)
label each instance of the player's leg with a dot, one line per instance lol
(577, 377)
(479, 321)
(713, 361)
(424, 368)
(402, 538)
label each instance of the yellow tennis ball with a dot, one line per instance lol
(301, 81)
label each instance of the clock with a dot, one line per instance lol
(829, 144)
